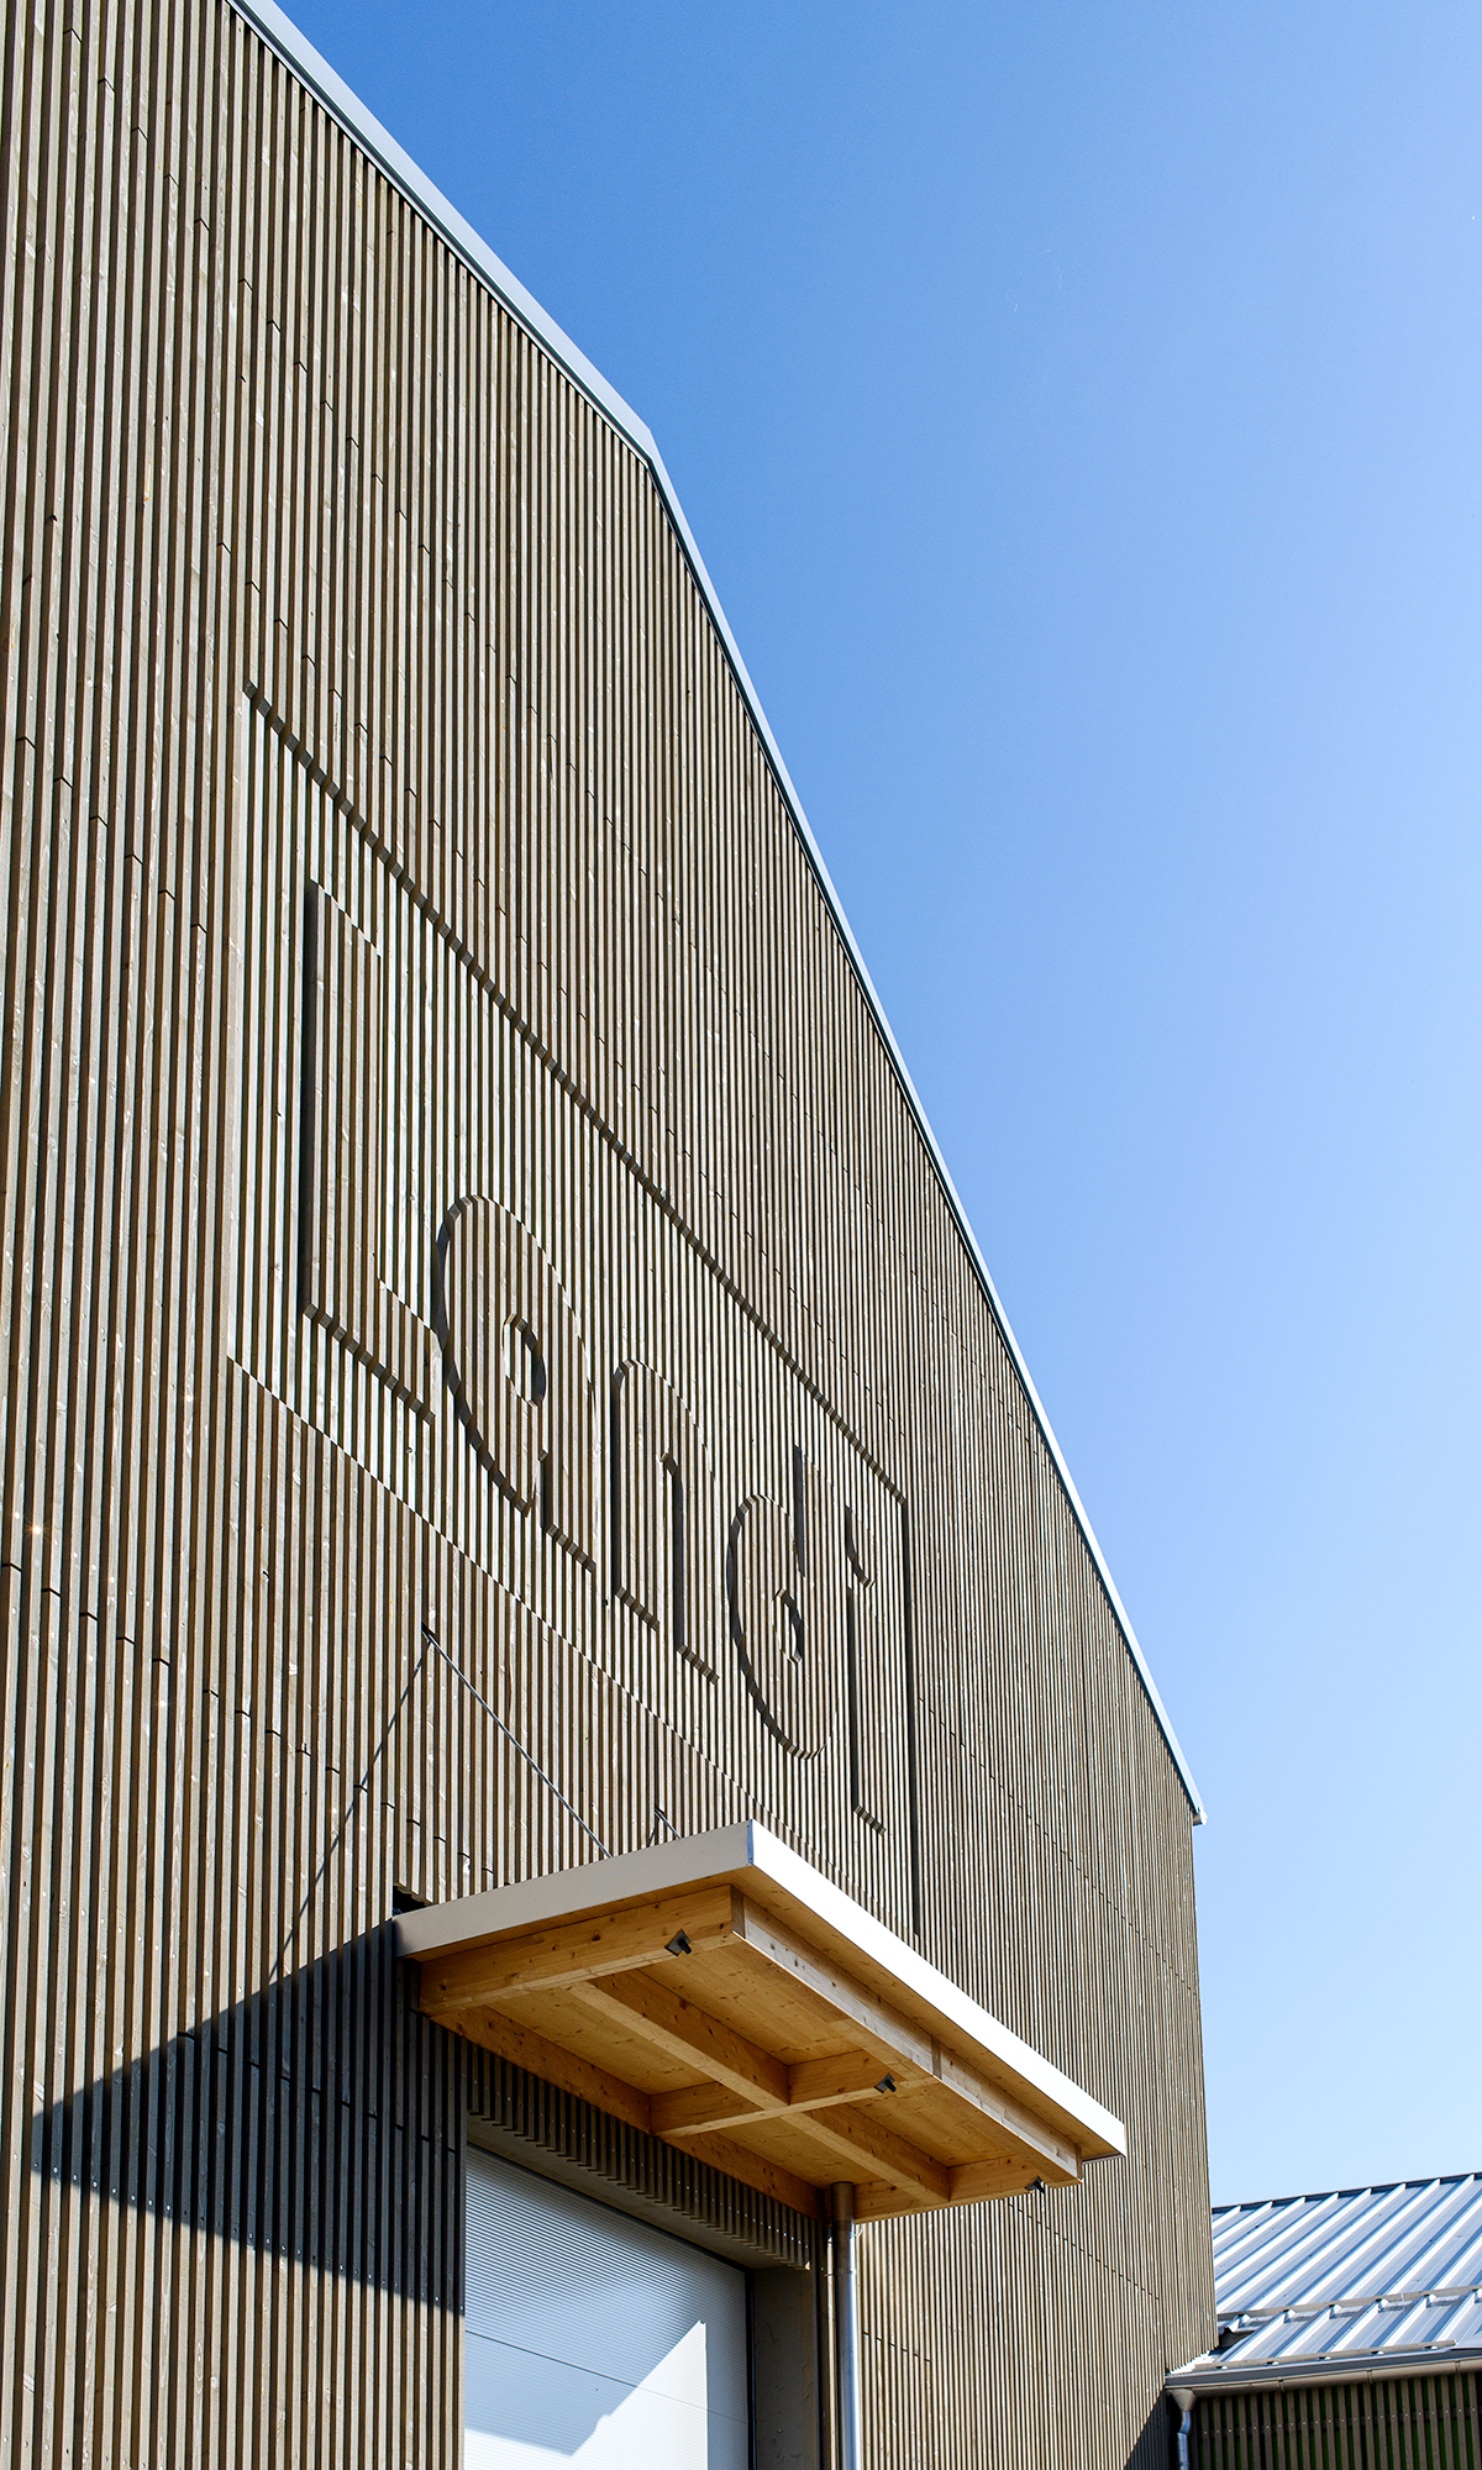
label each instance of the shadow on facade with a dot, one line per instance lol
(1157, 2446)
(316, 2122)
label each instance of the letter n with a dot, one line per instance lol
(664, 1514)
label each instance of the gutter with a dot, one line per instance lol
(313, 71)
(1374, 2367)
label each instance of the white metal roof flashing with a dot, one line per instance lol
(315, 72)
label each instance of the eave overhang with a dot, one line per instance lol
(1204, 2377)
(720, 1993)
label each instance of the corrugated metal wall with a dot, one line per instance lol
(327, 597)
(1401, 2423)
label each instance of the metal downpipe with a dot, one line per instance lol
(846, 2329)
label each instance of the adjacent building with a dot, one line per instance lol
(592, 1869)
(1350, 2333)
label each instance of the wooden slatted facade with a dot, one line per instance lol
(397, 891)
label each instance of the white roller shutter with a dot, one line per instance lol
(591, 2338)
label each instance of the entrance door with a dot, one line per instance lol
(590, 2338)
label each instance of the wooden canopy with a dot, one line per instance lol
(720, 1993)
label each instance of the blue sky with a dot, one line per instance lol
(1080, 412)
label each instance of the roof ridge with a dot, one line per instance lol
(1333, 2195)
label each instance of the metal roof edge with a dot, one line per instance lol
(618, 1878)
(1339, 2195)
(299, 54)
(1378, 2367)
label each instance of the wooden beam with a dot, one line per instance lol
(973, 2181)
(876, 2200)
(1040, 2143)
(658, 2014)
(701, 2109)
(507, 2039)
(886, 2033)
(816, 2084)
(854, 2075)
(902, 2045)
(876, 2151)
(575, 1951)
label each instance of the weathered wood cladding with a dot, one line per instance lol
(312, 559)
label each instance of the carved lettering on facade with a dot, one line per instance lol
(537, 1423)
(870, 1619)
(665, 1514)
(518, 1368)
(787, 1608)
(340, 1150)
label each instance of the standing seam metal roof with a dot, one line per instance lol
(1378, 2280)
(330, 89)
